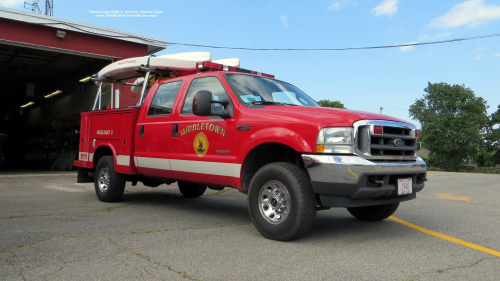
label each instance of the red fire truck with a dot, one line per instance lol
(202, 123)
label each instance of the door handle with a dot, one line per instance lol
(141, 131)
(175, 130)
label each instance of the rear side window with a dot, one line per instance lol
(164, 99)
(211, 84)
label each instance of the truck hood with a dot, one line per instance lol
(329, 116)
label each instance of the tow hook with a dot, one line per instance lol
(421, 178)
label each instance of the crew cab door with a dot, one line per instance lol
(202, 150)
(154, 131)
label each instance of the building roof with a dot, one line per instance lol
(154, 44)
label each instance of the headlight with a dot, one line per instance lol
(335, 140)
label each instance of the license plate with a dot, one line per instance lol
(404, 186)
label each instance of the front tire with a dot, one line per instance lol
(191, 190)
(109, 185)
(281, 202)
(373, 213)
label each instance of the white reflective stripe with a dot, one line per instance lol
(153, 163)
(199, 167)
(123, 160)
(91, 156)
(203, 167)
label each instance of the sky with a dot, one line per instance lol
(361, 79)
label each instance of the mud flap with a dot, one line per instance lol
(83, 175)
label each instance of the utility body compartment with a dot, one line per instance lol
(108, 130)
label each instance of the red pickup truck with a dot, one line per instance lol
(228, 127)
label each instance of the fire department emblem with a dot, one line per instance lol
(200, 144)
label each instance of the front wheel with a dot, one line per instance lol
(373, 213)
(109, 185)
(281, 202)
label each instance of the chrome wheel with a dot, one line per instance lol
(274, 202)
(104, 179)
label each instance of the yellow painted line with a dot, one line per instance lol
(446, 237)
(448, 196)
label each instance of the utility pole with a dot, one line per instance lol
(381, 108)
(49, 7)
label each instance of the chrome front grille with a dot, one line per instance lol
(397, 140)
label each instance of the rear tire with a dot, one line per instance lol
(191, 190)
(109, 185)
(373, 213)
(281, 202)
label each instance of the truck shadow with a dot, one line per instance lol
(338, 224)
(217, 208)
(330, 225)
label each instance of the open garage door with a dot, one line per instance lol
(40, 103)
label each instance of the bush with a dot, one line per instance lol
(496, 157)
(485, 157)
(489, 164)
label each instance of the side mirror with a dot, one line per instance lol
(202, 103)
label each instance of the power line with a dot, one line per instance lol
(342, 49)
(277, 49)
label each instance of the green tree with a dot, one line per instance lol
(329, 103)
(494, 136)
(453, 120)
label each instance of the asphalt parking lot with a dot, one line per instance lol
(52, 228)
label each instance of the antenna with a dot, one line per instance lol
(33, 6)
(49, 7)
(253, 65)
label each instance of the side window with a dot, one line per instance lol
(164, 98)
(211, 84)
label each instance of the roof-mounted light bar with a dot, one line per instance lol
(220, 67)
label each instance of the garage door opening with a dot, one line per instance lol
(41, 100)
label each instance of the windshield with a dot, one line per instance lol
(252, 90)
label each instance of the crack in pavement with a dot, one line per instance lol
(108, 209)
(11, 263)
(154, 276)
(470, 265)
(116, 234)
(454, 267)
(148, 259)
(60, 265)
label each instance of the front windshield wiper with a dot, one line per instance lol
(271, 103)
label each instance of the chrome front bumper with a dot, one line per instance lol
(356, 181)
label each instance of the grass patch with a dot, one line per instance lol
(220, 192)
